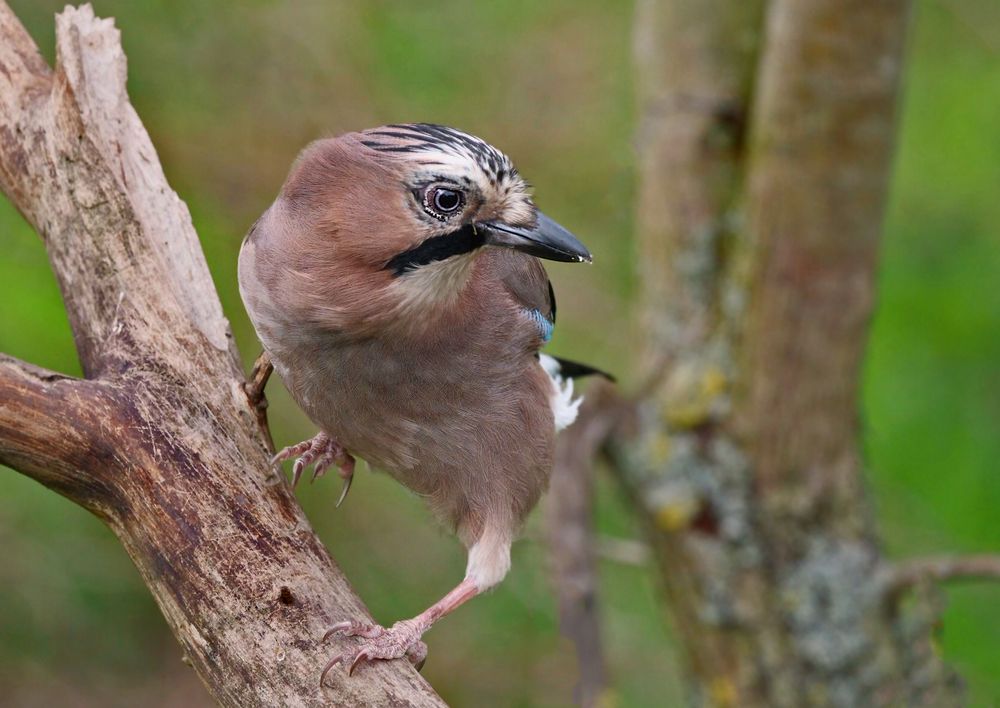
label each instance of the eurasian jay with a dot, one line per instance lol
(394, 283)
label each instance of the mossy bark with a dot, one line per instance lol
(765, 155)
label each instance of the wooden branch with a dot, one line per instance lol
(570, 537)
(51, 429)
(161, 440)
(906, 574)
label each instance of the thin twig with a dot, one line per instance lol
(254, 387)
(942, 569)
(257, 380)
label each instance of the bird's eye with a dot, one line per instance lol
(443, 202)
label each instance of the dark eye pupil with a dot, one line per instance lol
(446, 200)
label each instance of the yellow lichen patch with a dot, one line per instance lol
(658, 448)
(713, 382)
(722, 692)
(692, 394)
(677, 514)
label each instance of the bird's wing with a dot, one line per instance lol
(528, 284)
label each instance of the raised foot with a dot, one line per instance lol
(402, 639)
(322, 452)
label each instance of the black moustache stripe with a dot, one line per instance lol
(437, 248)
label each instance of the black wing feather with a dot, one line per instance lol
(576, 370)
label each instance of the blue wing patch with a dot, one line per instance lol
(545, 327)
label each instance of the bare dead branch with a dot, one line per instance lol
(161, 440)
(906, 574)
(51, 428)
(111, 217)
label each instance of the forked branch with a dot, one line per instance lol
(161, 438)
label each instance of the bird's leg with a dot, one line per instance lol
(323, 451)
(489, 561)
(402, 638)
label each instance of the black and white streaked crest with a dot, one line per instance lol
(432, 145)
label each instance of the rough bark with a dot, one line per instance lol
(160, 439)
(758, 277)
(695, 63)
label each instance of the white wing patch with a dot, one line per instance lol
(564, 407)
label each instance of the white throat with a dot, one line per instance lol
(433, 285)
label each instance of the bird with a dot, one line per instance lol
(396, 285)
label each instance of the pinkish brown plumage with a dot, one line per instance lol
(395, 285)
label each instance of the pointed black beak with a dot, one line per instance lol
(546, 240)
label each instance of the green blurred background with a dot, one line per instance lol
(230, 91)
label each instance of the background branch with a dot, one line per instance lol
(763, 186)
(570, 536)
(908, 573)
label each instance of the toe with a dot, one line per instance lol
(321, 466)
(417, 653)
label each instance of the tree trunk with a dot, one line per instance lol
(759, 242)
(160, 439)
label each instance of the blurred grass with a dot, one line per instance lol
(232, 90)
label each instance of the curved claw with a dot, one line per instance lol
(361, 656)
(417, 654)
(326, 669)
(339, 627)
(297, 472)
(345, 490)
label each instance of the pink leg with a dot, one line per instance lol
(402, 639)
(324, 451)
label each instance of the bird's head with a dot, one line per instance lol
(373, 227)
(402, 197)
(463, 194)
